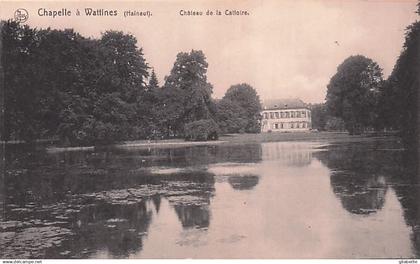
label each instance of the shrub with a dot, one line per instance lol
(201, 130)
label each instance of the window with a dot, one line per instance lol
(265, 116)
(271, 115)
(298, 114)
(281, 125)
(287, 114)
(291, 125)
(276, 126)
(303, 114)
(282, 114)
(277, 115)
(303, 125)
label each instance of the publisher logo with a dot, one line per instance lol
(21, 15)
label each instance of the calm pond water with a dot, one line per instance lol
(268, 200)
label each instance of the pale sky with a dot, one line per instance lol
(284, 48)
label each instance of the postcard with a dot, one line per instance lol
(227, 129)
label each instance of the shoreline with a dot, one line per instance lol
(232, 139)
(171, 143)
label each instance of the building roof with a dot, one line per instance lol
(283, 104)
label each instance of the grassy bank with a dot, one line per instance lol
(236, 139)
(298, 136)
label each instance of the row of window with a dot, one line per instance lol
(290, 125)
(288, 114)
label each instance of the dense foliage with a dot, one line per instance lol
(83, 91)
(319, 116)
(353, 92)
(323, 121)
(240, 109)
(230, 116)
(204, 129)
(401, 95)
(359, 96)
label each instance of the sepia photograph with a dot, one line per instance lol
(224, 129)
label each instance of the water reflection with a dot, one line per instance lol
(193, 215)
(78, 204)
(297, 154)
(247, 182)
(355, 178)
(406, 184)
(361, 174)
(269, 200)
(117, 228)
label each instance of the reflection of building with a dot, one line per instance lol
(288, 153)
(285, 115)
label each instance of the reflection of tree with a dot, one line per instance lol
(359, 193)
(68, 189)
(192, 215)
(406, 183)
(245, 182)
(362, 171)
(354, 178)
(50, 176)
(2, 183)
(156, 201)
(192, 201)
(116, 228)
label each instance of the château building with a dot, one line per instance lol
(285, 115)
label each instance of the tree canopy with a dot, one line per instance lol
(187, 88)
(246, 98)
(403, 87)
(352, 93)
(58, 83)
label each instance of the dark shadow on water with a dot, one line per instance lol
(355, 178)
(116, 229)
(361, 173)
(156, 199)
(193, 215)
(407, 187)
(81, 204)
(243, 182)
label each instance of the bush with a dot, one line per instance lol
(201, 130)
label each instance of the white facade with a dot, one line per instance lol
(286, 120)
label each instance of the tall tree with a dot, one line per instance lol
(153, 82)
(319, 116)
(404, 87)
(246, 97)
(121, 83)
(230, 117)
(188, 82)
(22, 117)
(125, 69)
(64, 78)
(353, 92)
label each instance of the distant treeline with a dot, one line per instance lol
(360, 99)
(83, 91)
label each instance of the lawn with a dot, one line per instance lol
(295, 136)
